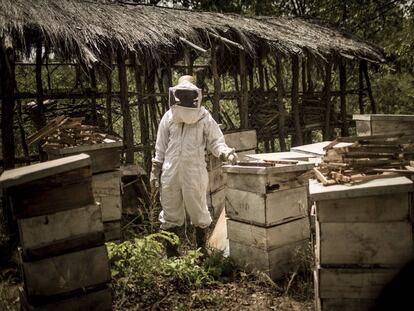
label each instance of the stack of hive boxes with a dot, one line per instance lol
(267, 207)
(244, 142)
(64, 260)
(106, 181)
(363, 236)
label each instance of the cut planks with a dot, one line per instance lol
(377, 124)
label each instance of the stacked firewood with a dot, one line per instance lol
(358, 159)
(64, 132)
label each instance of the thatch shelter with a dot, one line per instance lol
(243, 64)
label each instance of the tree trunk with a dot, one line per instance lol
(217, 83)
(361, 88)
(367, 80)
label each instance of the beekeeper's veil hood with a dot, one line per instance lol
(185, 101)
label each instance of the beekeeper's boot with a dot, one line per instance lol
(201, 240)
(170, 248)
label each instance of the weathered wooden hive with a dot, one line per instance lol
(378, 124)
(106, 181)
(64, 260)
(363, 236)
(267, 207)
(244, 142)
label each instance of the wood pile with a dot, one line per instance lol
(358, 159)
(64, 132)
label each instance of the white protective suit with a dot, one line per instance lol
(181, 148)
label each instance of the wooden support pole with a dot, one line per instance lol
(217, 83)
(361, 88)
(94, 112)
(280, 105)
(369, 89)
(151, 102)
(309, 70)
(7, 87)
(188, 62)
(295, 100)
(143, 125)
(342, 88)
(126, 113)
(40, 118)
(108, 103)
(193, 45)
(228, 41)
(328, 103)
(261, 74)
(244, 107)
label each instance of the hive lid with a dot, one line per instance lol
(384, 117)
(86, 148)
(319, 192)
(26, 174)
(268, 170)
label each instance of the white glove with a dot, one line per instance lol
(230, 156)
(155, 176)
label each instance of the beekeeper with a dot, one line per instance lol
(185, 131)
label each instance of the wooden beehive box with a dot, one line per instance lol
(363, 235)
(104, 156)
(266, 195)
(107, 191)
(267, 206)
(378, 124)
(49, 187)
(61, 232)
(244, 142)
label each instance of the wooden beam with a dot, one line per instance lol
(244, 108)
(361, 88)
(342, 87)
(108, 104)
(193, 45)
(7, 97)
(141, 115)
(295, 100)
(40, 118)
(280, 104)
(328, 102)
(217, 83)
(229, 42)
(126, 113)
(92, 76)
(369, 89)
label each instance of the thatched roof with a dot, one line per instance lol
(84, 26)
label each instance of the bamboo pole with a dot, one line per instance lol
(295, 100)
(244, 111)
(126, 113)
(342, 87)
(328, 102)
(280, 105)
